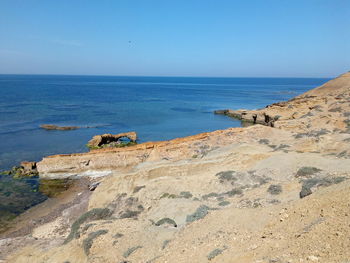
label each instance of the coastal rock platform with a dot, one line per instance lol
(277, 191)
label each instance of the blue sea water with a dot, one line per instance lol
(157, 108)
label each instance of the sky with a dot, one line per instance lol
(250, 38)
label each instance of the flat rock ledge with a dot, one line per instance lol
(58, 128)
(253, 117)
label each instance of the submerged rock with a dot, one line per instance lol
(59, 128)
(16, 196)
(54, 187)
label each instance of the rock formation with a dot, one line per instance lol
(59, 128)
(99, 140)
(254, 117)
(325, 107)
(277, 192)
(28, 169)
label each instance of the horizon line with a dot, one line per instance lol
(153, 76)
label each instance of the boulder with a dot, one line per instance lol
(99, 140)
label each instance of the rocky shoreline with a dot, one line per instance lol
(277, 191)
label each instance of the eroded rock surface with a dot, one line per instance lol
(255, 194)
(325, 108)
(99, 140)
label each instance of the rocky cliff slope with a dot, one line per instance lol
(277, 192)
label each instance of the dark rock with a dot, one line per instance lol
(167, 221)
(314, 183)
(305, 191)
(93, 186)
(222, 112)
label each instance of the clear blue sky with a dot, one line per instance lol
(261, 38)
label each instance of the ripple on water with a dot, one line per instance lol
(183, 109)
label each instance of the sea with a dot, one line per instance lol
(156, 108)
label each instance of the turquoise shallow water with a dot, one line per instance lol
(157, 108)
